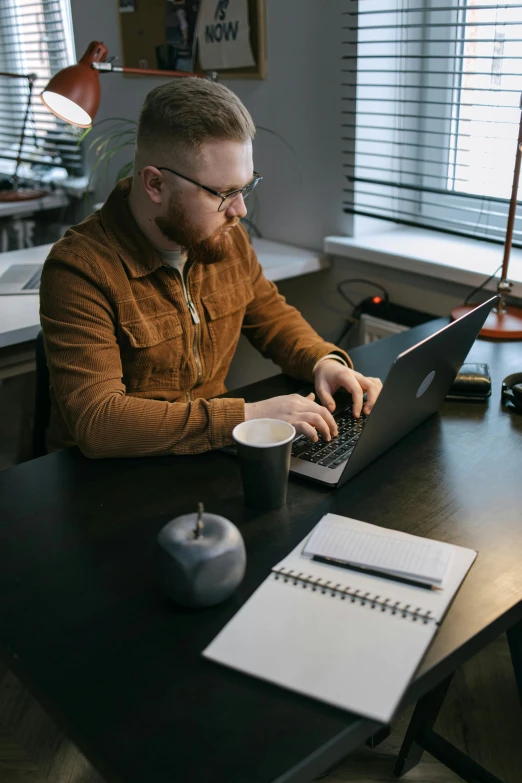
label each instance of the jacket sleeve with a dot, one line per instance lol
(278, 330)
(86, 375)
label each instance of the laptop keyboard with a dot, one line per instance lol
(34, 283)
(333, 453)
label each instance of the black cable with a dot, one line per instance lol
(341, 283)
(353, 318)
(481, 286)
(366, 282)
(346, 298)
(349, 326)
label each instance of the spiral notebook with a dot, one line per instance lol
(350, 639)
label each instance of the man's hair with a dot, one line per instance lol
(190, 112)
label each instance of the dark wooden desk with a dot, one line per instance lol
(85, 625)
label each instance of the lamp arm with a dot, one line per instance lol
(512, 204)
(106, 66)
(22, 135)
(31, 78)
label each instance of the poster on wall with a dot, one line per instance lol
(159, 34)
(224, 35)
(166, 35)
(180, 51)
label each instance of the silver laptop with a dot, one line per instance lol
(414, 389)
(21, 279)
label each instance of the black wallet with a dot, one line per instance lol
(472, 383)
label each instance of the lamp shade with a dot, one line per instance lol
(73, 94)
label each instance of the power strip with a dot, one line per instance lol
(380, 318)
(380, 308)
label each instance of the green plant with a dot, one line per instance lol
(107, 144)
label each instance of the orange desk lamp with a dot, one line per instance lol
(73, 94)
(504, 322)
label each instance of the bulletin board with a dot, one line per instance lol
(144, 22)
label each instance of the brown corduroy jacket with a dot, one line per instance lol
(131, 372)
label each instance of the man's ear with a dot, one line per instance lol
(153, 183)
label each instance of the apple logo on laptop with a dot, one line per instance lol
(425, 384)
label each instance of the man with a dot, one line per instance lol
(142, 304)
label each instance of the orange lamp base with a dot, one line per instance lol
(498, 326)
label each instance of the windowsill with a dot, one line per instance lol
(430, 253)
(281, 261)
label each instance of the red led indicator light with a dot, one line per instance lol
(377, 299)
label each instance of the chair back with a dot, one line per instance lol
(42, 401)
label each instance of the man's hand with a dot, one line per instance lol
(330, 376)
(306, 415)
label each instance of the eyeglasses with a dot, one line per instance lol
(227, 199)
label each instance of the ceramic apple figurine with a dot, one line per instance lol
(201, 558)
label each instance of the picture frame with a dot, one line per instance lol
(139, 40)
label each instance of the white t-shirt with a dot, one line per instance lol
(178, 258)
(175, 258)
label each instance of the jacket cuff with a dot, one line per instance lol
(318, 352)
(335, 356)
(225, 413)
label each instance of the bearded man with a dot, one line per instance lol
(143, 303)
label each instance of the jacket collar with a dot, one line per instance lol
(138, 255)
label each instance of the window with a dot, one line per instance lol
(35, 37)
(431, 115)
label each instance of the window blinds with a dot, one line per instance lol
(35, 37)
(431, 97)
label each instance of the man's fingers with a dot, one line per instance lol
(327, 416)
(322, 411)
(325, 396)
(373, 389)
(332, 424)
(355, 390)
(307, 430)
(317, 421)
(303, 412)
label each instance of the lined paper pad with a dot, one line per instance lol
(417, 558)
(342, 652)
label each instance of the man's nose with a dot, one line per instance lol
(237, 208)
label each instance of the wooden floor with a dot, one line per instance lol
(481, 715)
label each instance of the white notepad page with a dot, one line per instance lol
(349, 639)
(416, 558)
(342, 653)
(436, 602)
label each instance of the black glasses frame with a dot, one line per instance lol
(223, 196)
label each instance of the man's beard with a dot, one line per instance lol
(177, 227)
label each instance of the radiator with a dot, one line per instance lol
(372, 328)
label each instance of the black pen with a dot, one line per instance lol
(373, 572)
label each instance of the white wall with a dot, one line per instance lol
(316, 297)
(300, 99)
